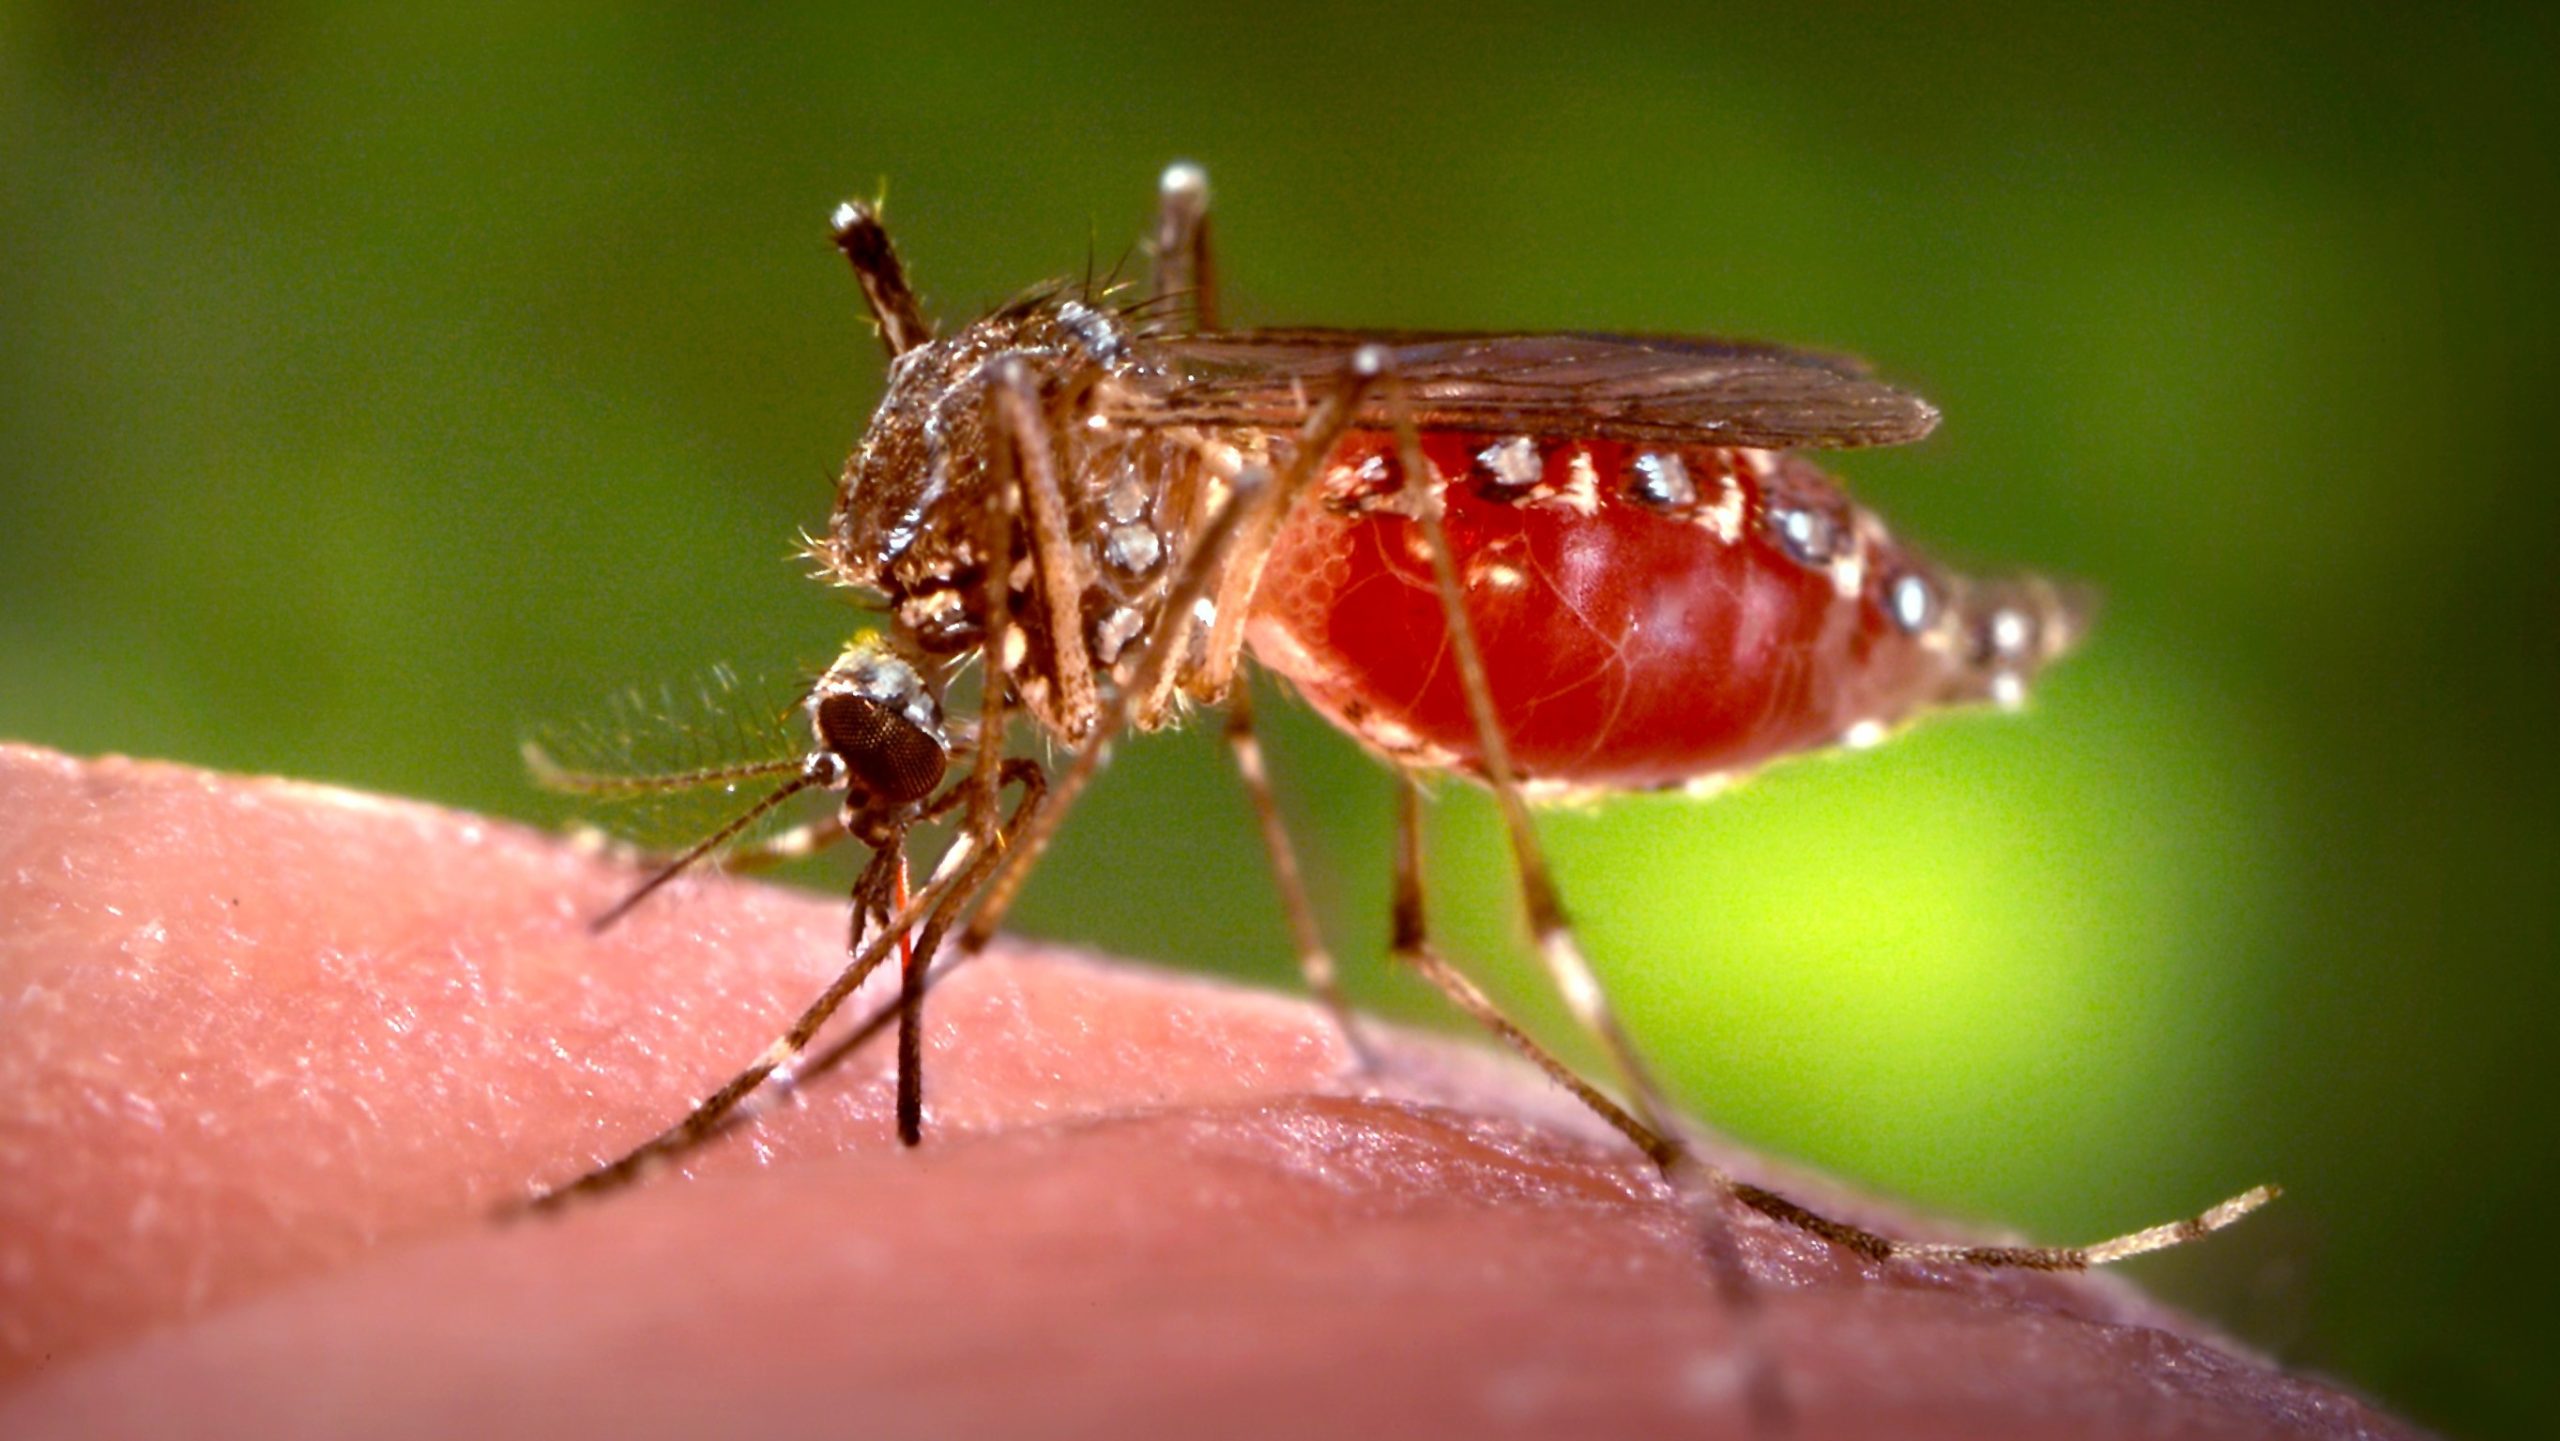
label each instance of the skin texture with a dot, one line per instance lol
(271, 1053)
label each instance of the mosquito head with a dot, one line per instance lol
(874, 712)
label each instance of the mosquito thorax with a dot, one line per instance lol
(910, 506)
(912, 514)
(874, 713)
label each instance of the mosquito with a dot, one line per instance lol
(1555, 565)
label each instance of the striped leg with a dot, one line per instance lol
(1553, 934)
(1252, 505)
(912, 928)
(872, 896)
(1315, 962)
(1649, 1121)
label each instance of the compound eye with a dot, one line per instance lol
(887, 757)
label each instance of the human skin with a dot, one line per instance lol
(271, 1055)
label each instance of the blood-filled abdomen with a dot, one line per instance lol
(1648, 615)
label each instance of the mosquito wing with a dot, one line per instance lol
(1674, 389)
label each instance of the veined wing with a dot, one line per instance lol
(1667, 389)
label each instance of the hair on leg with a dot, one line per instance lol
(1548, 927)
(1699, 1187)
(1058, 564)
(706, 1117)
(1315, 961)
(1248, 505)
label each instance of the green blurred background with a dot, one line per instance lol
(374, 387)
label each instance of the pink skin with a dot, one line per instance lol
(271, 1053)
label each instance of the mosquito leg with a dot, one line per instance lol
(954, 881)
(1020, 772)
(1878, 1247)
(919, 968)
(708, 1116)
(1031, 495)
(1060, 565)
(917, 964)
(1028, 450)
(860, 1034)
(1582, 991)
(1181, 244)
(865, 242)
(1548, 927)
(1253, 501)
(1409, 943)
(1700, 1186)
(1315, 962)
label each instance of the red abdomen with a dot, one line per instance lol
(1649, 615)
